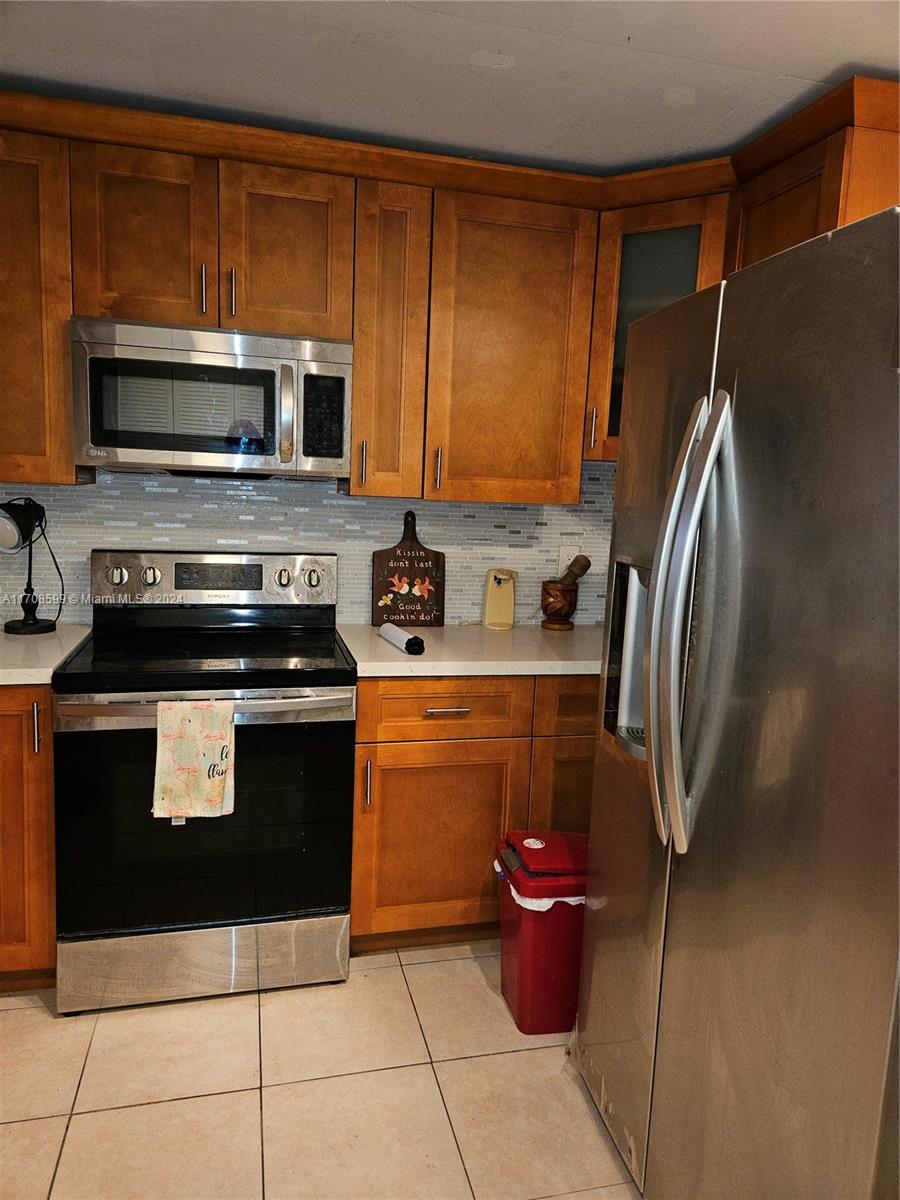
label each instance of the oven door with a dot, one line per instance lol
(284, 853)
(190, 410)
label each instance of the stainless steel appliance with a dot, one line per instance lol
(162, 397)
(150, 910)
(738, 993)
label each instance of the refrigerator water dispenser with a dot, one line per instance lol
(624, 707)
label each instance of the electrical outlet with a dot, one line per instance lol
(566, 554)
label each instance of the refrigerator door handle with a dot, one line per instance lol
(653, 621)
(681, 812)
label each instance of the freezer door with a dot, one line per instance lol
(781, 940)
(669, 371)
(669, 366)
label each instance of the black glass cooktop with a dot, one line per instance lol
(187, 660)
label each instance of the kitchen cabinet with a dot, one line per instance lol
(511, 291)
(566, 704)
(562, 775)
(35, 305)
(286, 251)
(145, 235)
(27, 924)
(648, 256)
(842, 178)
(422, 709)
(393, 269)
(426, 822)
(179, 239)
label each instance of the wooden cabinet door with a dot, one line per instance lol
(286, 251)
(510, 327)
(648, 257)
(390, 319)
(27, 904)
(562, 779)
(427, 819)
(35, 304)
(144, 235)
(790, 203)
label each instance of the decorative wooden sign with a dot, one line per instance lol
(408, 581)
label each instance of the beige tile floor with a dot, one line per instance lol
(408, 1082)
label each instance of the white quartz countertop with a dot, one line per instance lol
(474, 650)
(32, 658)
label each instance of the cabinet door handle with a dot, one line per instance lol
(233, 277)
(368, 783)
(594, 426)
(443, 712)
(363, 456)
(36, 726)
(438, 468)
(203, 288)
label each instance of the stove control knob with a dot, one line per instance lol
(151, 576)
(284, 577)
(117, 576)
(312, 578)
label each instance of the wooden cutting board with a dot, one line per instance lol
(408, 581)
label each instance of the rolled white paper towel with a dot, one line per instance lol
(398, 637)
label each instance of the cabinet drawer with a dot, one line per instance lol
(566, 705)
(414, 710)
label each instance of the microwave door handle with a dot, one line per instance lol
(682, 813)
(658, 577)
(286, 414)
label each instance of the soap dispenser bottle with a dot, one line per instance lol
(500, 598)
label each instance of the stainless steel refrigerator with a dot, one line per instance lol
(737, 1018)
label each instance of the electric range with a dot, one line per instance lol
(149, 910)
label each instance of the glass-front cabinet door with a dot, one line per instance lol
(648, 257)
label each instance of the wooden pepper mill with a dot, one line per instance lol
(559, 597)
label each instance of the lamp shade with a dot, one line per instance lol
(18, 520)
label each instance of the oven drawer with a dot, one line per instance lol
(415, 710)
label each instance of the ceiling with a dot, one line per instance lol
(594, 86)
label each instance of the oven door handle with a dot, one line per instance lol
(74, 716)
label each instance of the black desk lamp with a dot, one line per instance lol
(20, 519)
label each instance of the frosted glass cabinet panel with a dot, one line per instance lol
(648, 257)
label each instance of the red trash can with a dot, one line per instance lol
(542, 886)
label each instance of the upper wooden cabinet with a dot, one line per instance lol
(183, 240)
(393, 250)
(286, 251)
(145, 235)
(510, 329)
(648, 257)
(35, 304)
(27, 921)
(843, 178)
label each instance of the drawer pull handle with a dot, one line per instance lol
(368, 783)
(36, 726)
(443, 712)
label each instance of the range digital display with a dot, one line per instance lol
(219, 577)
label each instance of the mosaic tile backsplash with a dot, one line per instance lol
(172, 512)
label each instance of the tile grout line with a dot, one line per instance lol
(86, 1112)
(262, 1135)
(71, 1112)
(437, 1081)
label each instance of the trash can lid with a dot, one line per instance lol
(549, 853)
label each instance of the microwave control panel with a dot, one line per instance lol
(323, 416)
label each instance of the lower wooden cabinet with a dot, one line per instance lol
(427, 818)
(27, 924)
(562, 776)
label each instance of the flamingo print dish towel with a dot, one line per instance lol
(194, 759)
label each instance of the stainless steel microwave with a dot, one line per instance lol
(150, 397)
